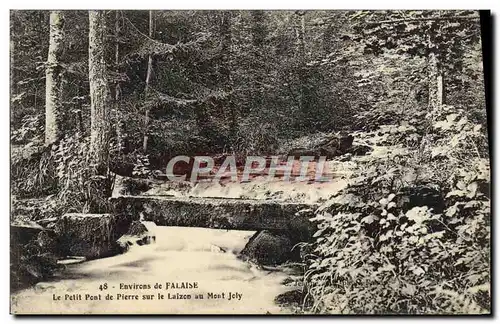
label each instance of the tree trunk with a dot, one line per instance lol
(301, 31)
(226, 68)
(53, 79)
(258, 39)
(327, 39)
(436, 84)
(119, 123)
(100, 97)
(12, 79)
(436, 78)
(146, 90)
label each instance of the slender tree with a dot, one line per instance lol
(436, 76)
(225, 30)
(301, 36)
(12, 53)
(100, 97)
(149, 74)
(54, 78)
(119, 123)
(259, 32)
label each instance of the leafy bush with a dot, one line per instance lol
(256, 137)
(31, 128)
(32, 171)
(410, 235)
(79, 189)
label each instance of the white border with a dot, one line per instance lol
(190, 4)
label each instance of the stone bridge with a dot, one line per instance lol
(222, 213)
(97, 235)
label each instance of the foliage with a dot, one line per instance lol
(33, 169)
(79, 190)
(30, 129)
(444, 32)
(142, 167)
(409, 235)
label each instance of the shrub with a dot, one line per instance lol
(410, 235)
(80, 190)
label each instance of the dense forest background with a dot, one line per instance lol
(168, 83)
(236, 81)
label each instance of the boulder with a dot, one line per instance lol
(268, 248)
(91, 235)
(137, 234)
(48, 241)
(299, 228)
(301, 151)
(360, 150)
(127, 186)
(291, 298)
(336, 145)
(330, 147)
(33, 254)
(124, 186)
(23, 232)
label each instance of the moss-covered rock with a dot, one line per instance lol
(91, 235)
(33, 254)
(268, 248)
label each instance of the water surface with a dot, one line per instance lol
(206, 257)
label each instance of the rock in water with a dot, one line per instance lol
(137, 234)
(91, 235)
(268, 248)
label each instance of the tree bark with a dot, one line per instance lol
(53, 79)
(146, 90)
(119, 123)
(436, 84)
(226, 68)
(258, 39)
(301, 31)
(100, 97)
(12, 79)
(327, 39)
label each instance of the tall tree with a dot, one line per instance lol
(12, 79)
(149, 74)
(100, 97)
(226, 42)
(259, 32)
(301, 40)
(54, 78)
(119, 125)
(435, 74)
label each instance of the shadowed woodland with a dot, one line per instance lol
(396, 96)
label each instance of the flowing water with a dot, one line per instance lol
(193, 256)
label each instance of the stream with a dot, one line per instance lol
(194, 262)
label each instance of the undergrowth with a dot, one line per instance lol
(411, 232)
